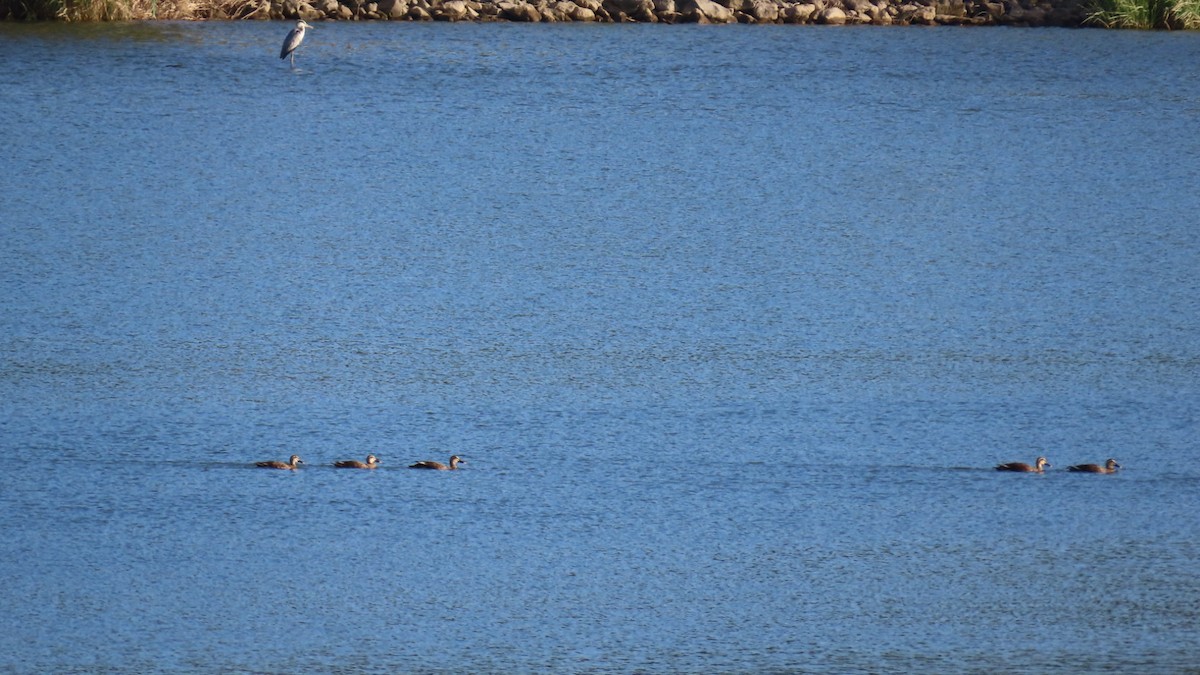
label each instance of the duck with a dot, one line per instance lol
(455, 460)
(1040, 464)
(1110, 466)
(371, 463)
(292, 464)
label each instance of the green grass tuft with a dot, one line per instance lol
(1146, 14)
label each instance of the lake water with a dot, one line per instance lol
(730, 324)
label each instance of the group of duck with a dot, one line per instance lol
(1040, 465)
(372, 461)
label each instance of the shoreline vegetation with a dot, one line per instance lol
(1136, 14)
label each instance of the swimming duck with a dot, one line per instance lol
(371, 463)
(1022, 466)
(276, 464)
(1110, 466)
(454, 462)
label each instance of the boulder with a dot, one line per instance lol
(645, 12)
(486, 11)
(834, 16)
(951, 8)
(393, 9)
(637, 10)
(452, 10)
(918, 14)
(764, 11)
(575, 11)
(801, 13)
(519, 11)
(705, 11)
(1066, 16)
(1035, 16)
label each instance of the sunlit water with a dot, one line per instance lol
(730, 324)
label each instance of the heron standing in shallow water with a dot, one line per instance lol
(294, 37)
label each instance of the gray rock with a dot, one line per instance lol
(832, 15)
(393, 9)
(614, 6)
(637, 10)
(951, 8)
(452, 10)
(645, 12)
(918, 14)
(801, 13)
(764, 11)
(576, 11)
(705, 11)
(519, 11)
(932, 12)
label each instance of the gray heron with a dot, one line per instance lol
(294, 37)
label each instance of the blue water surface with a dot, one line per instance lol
(729, 323)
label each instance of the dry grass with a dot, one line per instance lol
(125, 10)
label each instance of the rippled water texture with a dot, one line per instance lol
(730, 323)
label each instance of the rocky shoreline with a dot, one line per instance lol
(1065, 13)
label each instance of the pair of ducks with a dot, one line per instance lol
(1110, 466)
(372, 461)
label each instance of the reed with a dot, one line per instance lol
(125, 10)
(1146, 14)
